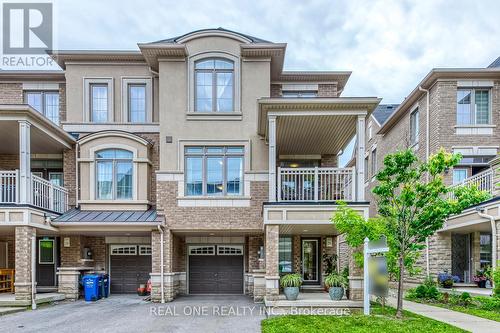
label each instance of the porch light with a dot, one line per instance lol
(294, 165)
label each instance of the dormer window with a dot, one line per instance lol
(214, 85)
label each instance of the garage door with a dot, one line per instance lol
(216, 269)
(130, 266)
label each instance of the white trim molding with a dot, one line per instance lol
(148, 82)
(87, 81)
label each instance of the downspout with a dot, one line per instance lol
(493, 234)
(76, 174)
(33, 272)
(160, 229)
(427, 153)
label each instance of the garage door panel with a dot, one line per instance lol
(128, 272)
(215, 274)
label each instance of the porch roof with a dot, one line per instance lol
(470, 221)
(313, 125)
(46, 137)
(76, 215)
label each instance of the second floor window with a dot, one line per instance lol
(414, 127)
(45, 102)
(473, 107)
(214, 171)
(374, 162)
(214, 86)
(114, 174)
(137, 103)
(99, 102)
(459, 175)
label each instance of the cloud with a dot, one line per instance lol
(389, 45)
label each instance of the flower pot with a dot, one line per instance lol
(481, 284)
(291, 293)
(336, 293)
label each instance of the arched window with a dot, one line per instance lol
(214, 85)
(114, 174)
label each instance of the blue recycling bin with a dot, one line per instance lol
(91, 287)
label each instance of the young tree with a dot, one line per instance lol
(413, 203)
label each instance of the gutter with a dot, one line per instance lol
(427, 153)
(492, 219)
(162, 269)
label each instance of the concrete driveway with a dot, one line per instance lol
(128, 313)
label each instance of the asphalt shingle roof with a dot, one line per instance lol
(495, 63)
(383, 112)
(76, 215)
(174, 39)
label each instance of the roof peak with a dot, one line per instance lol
(178, 39)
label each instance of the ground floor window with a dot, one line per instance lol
(285, 254)
(485, 250)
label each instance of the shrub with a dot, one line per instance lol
(424, 292)
(429, 282)
(465, 299)
(488, 303)
(291, 280)
(446, 280)
(495, 276)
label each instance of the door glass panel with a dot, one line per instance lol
(310, 260)
(46, 251)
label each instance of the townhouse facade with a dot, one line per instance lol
(457, 109)
(196, 162)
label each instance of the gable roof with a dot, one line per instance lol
(383, 112)
(495, 63)
(177, 39)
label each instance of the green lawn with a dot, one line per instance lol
(474, 311)
(380, 321)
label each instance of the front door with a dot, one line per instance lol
(310, 261)
(460, 256)
(46, 262)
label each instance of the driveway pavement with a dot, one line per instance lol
(130, 313)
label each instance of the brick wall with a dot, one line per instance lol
(275, 90)
(327, 90)
(69, 175)
(209, 218)
(329, 160)
(154, 152)
(296, 253)
(70, 256)
(9, 162)
(179, 259)
(254, 244)
(327, 250)
(62, 102)
(11, 93)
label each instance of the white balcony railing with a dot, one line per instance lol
(45, 194)
(483, 181)
(316, 184)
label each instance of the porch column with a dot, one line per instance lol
(272, 158)
(355, 277)
(360, 159)
(168, 274)
(272, 258)
(24, 188)
(24, 260)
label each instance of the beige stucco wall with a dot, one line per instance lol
(174, 104)
(76, 73)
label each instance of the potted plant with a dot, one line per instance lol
(446, 280)
(336, 284)
(480, 279)
(330, 264)
(291, 284)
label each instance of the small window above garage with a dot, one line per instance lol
(202, 250)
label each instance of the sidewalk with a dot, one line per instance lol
(458, 319)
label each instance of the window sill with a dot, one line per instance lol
(474, 129)
(242, 201)
(233, 115)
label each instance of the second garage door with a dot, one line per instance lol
(216, 273)
(130, 266)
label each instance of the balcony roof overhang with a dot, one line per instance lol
(46, 137)
(313, 125)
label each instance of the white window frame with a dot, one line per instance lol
(456, 169)
(40, 252)
(373, 162)
(56, 173)
(112, 248)
(44, 106)
(473, 111)
(238, 248)
(126, 82)
(370, 130)
(194, 247)
(87, 109)
(114, 181)
(236, 84)
(224, 155)
(145, 250)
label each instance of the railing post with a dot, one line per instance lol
(16, 187)
(51, 197)
(353, 184)
(279, 183)
(316, 183)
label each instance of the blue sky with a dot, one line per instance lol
(388, 45)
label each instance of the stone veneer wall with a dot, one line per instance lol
(69, 175)
(70, 256)
(23, 251)
(62, 102)
(154, 156)
(254, 244)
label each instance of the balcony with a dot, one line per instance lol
(45, 195)
(316, 184)
(483, 181)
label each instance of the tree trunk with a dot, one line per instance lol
(399, 310)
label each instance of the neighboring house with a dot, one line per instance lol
(464, 118)
(196, 161)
